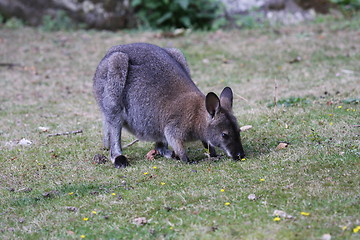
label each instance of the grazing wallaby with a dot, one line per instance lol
(149, 91)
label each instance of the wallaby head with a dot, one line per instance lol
(223, 130)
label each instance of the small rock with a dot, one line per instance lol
(140, 221)
(24, 142)
(252, 197)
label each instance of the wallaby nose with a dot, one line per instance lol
(239, 156)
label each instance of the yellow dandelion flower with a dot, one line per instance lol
(222, 190)
(331, 123)
(262, 180)
(339, 106)
(85, 219)
(154, 167)
(227, 204)
(357, 229)
(305, 213)
(71, 193)
(344, 228)
(146, 173)
(276, 219)
(114, 194)
(330, 115)
(94, 212)
(171, 228)
(354, 110)
(162, 183)
(348, 109)
(82, 236)
(243, 159)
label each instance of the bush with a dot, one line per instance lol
(61, 22)
(13, 22)
(167, 14)
(348, 6)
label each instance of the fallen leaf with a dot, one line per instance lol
(245, 128)
(24, 142)
(140, 221)
(282, 145)
(295, 60)
(151, 154)
(99, 159)
(206, 61)
(326, 236)
(50, 194)
(71, 209)
(43, 129)
(282, 214)
(24, 190)
(252, 197)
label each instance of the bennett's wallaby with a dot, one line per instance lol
(149, 91)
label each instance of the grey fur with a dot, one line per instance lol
(149, 91)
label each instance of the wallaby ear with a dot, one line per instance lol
(226, 98)
(212, 103)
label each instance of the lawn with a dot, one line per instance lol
(294, 84)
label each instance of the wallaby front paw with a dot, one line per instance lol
(121, 162)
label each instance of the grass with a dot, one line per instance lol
(53, 190)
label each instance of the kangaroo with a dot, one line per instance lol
(148, 90)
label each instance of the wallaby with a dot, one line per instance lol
(148, 90)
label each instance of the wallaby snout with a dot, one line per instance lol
(149, 91)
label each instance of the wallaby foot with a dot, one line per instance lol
(121, 162)
(211, 149)
(163, 150)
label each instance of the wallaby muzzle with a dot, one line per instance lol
(238, 152)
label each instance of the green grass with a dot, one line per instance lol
(317, 173)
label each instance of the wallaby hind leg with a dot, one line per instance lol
(114, 132)
(117, 68)
(163, 150)
(106, 134)
(176, 144)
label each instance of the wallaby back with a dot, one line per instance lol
(149, 91)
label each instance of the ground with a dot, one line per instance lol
(294, 84)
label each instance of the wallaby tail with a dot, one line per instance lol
(117, 66)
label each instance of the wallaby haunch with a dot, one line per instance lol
(149, 91)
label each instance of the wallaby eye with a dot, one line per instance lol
(225, 135)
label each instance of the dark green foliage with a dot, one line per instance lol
(166, 14)
(348, 7)
(13, 22)
(348, 3)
